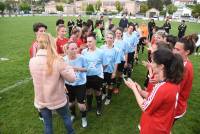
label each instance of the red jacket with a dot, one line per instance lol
(159, 109)
(185, 89)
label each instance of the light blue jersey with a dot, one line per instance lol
(96, 61)
(112, 55)
(132, 41)
(123, 48)
(137, 34)
(79, 62)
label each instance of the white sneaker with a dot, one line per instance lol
(139, 127)
(98, 113)
(42, 119)
(195, 53)
(72, 118)
(103, 96)
(107, 102)
(84, 122)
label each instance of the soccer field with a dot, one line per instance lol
(18, 115)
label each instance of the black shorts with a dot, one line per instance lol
(94, 82)
(120, 67)
(76, 92)
(107, 79)
(131, 57)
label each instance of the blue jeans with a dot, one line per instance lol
(63, 112)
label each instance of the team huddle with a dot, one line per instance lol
(95, 60)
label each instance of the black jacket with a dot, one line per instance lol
(79, 23)
(167, 27)
(70, 24)
(123, 23)
(182, 28)
(151, 25)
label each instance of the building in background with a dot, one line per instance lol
(79, 7)
(182, 12)
(50, 7)
(153, 13)
(183, 2)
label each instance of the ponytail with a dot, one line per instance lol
(163, 44)
(175, 72)
(189, 42)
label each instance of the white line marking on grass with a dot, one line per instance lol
(4, 59)
(15, 85)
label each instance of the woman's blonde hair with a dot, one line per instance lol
(111, 33)
(46, 41)
(162, 33)
(66, 46)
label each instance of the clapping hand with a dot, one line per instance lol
(131, 84)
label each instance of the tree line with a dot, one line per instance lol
(166, 6)
(12, 6)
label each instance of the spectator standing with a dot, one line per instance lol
(123, 23)
(167, 26)
(79, 21)
(151, 26)
(181, 29)
(70, 25)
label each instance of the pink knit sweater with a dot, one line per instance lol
(49, 89)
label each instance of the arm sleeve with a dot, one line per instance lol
(179, 27)
(154, 101)
(120, 23)
(66, 71)
(85, 63)
(117, 56)
(104, 59)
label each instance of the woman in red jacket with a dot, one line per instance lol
(185, 47)
(159, 107)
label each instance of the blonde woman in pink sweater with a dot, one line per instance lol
(49, 71)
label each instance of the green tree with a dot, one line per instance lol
(2, 7)
(167, 2)
(24, 6)
(195, 2)
(89, 9)
(46, 0)
(9, 6)
(163, 12)
(59, 8)
(98, 5)
(118, 6)
(143, 7)
(70, 1)
(64, 1)
(196, 11)
(171, 9)
(158, 4)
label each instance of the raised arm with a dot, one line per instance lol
(133, 87)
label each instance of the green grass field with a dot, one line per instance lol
(18, 115)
